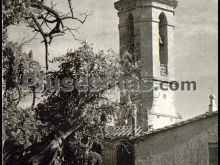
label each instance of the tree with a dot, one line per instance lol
(42, 17)
(85, 107)
(75, 113)
(72, 120)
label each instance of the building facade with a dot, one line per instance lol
(190, 142)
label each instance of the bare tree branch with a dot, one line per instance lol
(49, 18)
(26, 41)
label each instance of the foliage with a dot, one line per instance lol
(82, 64)
(15, 64)
(62, 109)
(73, 120)
(20, 124)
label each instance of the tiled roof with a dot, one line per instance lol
(121, 131)
(197, 118)
(116, 132)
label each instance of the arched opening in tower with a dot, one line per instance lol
(163, 44)
(130, 33)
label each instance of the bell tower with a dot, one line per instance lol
(147, 27)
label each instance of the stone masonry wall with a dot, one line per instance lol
(183, 145)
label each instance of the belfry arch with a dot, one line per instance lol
(163, 44)
(130, 23)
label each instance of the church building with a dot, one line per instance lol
(155, 134)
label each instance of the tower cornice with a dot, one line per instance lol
(124, 5)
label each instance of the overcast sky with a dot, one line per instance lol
(196, 48)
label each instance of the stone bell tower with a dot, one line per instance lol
(147, 27)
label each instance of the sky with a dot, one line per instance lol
(196, 44)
